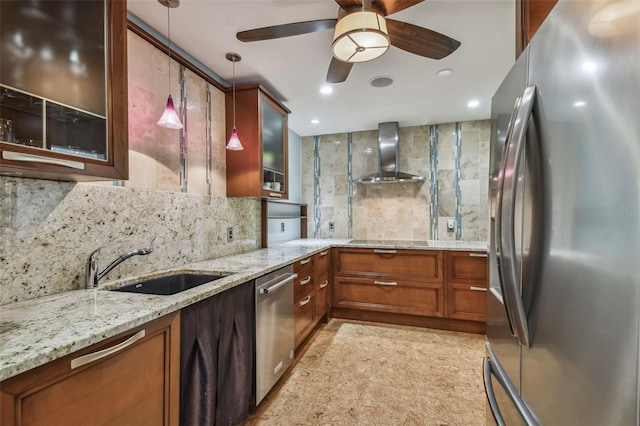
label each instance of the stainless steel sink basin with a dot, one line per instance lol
(170, 284)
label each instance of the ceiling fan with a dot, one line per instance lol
(362, 33)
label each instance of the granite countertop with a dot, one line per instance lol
(36, 331)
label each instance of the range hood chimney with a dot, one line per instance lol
(388, 158)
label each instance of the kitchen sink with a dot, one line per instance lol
(170, 284)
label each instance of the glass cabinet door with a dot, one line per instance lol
(53, 71)
(273, 150)
(63, 88)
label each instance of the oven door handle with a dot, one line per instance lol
(280, 283)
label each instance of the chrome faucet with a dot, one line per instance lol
(93, 276)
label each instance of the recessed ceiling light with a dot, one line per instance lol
(315, 121)
(473, 103)
(326, 89)
(381, 81)
(579, 103)
(443, 72)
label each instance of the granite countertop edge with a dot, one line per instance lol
(36, 331)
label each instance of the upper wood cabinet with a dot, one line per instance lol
(529, 16)
(63, 90)
(261, 169)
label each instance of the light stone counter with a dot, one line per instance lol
(36, 331)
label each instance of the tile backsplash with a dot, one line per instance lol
(400, 211)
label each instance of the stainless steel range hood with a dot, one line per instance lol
(388, 158)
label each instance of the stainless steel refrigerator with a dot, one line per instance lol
(564, 297)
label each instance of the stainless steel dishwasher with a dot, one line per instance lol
(274, 328)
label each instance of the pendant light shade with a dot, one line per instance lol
(234, 143)
(169, 118)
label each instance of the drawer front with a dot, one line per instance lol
(389, 294)
(302, 265)
(303, 283)
(466, 302)
(304, 314)
(464, 267)
(423, 264)
(322, 295)
(321, 262)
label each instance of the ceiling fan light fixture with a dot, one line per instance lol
(360, 37)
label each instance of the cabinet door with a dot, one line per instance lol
(389, 294)
(414, 264)
(63, 112)
(466, 302)
(466, 285)
(260, 170)
(136, 382)
(322, 295)
(304, 315)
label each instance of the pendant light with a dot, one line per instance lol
(169, 119)
(234, 141)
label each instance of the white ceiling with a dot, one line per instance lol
(294, 68)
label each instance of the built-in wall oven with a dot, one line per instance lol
(274, 328)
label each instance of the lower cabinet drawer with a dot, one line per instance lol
(322, 295)
(389, 295)
(304, 314)
(466, 302)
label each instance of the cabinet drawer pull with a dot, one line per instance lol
(305, 261)
(19, 156)
(275, 194)
(381, 251)
(94, 356)
(305, 300)
(306, 280)
(478, 254)
(385, 282)
(324, 283)
(472, 288)
(324, 253)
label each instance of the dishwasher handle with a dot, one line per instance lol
(277, 283)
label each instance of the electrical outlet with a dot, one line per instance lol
(451, 224)
(332, 226)
(230, 234)
(281, 226)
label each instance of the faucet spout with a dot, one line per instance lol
(93, 276)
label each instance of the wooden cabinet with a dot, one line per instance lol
(261, 169)
(64, 110)
(389, 280)
(428, 288)
(322, 278)
(529, 16)
(466, 285)
(312, 291)
(130, 379)
(304, 299)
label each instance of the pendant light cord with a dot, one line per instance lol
(234, 91)
(169, 43)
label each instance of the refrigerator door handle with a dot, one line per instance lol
(492, 367)
(506, 209)
(498, 215)
(491, 396)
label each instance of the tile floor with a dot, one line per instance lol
(358, 373)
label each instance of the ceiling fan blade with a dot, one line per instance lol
(387, 7)
(338, 71)
(286, 30)
(349, 4)
(419, 40)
